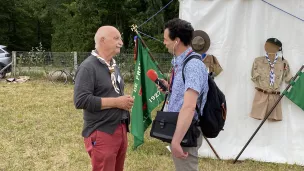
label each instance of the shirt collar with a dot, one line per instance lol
(180, 59)
(103, 61)
(278, 61)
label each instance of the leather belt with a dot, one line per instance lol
(267, 92)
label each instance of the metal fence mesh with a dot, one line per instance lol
(44, 63)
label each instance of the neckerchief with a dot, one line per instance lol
(271, 73)
(111, 68)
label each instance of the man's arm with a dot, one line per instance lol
(108, 102)
(122, 102)
(185, 116)
(84, 94)
(196, 80)
(84, 91)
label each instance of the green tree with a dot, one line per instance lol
(70, 25)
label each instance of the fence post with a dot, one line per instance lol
(14, 63)
(75, 61)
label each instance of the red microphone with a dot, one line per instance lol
(154, 77)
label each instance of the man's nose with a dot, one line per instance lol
(120, 42)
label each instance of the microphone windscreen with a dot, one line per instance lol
(152, 75)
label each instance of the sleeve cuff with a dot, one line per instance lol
(97, 103)
(195, 89)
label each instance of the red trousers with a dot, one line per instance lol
(107, 152)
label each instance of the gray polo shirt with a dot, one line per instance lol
(93, 82)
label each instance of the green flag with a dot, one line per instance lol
(145, 93)
(296, 93)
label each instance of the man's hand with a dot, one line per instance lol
(165, 84)
(177, 150)
(184, 120)
(125, 102)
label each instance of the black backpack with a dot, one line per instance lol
(214, 111)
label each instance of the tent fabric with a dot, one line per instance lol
(238, 30)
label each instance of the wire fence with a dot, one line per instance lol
(42, 64)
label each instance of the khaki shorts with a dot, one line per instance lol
(262, 104)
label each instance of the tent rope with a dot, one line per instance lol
(282, 10)
(156, 13)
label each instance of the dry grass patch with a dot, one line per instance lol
(41, 130)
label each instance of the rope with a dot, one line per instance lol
(156, 13)
(150, 36)
(282, 10)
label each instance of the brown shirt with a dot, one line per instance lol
(260, 73)
(212, 64)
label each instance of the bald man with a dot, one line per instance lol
(99, 91)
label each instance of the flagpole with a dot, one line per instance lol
(268, 114)
(134, 28)
(217, 156)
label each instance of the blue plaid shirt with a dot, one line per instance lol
(196, 78)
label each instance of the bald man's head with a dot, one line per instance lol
(108, 38)
(103, 31)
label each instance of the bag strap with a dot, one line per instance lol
(166, 96)
(183, 75)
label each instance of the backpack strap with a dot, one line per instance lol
(186, 61)
(183, 75)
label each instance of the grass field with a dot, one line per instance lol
(41, 130)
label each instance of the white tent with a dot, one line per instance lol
(238, 30)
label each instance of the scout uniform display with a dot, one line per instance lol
(212, 64)
(268, 72)
(200, 44)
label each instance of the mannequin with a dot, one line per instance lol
(268, 72)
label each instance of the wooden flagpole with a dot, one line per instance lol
(267, 115)
(134, 28)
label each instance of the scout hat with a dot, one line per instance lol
(200, 42)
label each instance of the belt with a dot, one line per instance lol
(267, 92)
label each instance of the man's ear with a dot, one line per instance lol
(177, 40)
